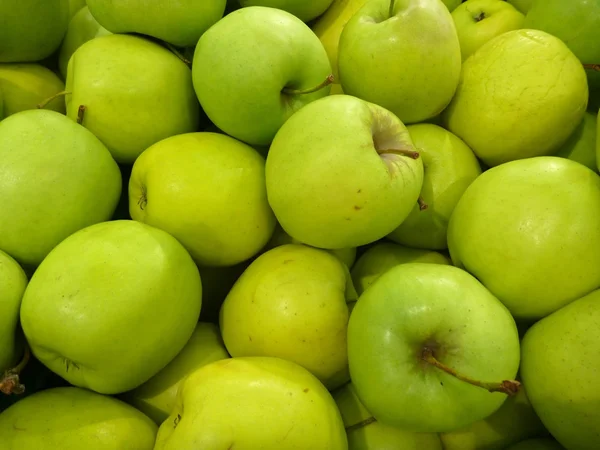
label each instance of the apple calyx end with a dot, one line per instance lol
(330, 79)
(594, 67)
(479, 17)
(10, 384)
(402, 152)
(361, 424)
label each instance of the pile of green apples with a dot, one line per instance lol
(299, 225)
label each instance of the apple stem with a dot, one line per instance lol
(320, 86)
(54, 97)
(362, 423)
(422, 205)
(508, 387)
(480, 17)
(398, 151)
(10, 383)
(80, 114)
(177, 53)
(595, 67)
(391, 11)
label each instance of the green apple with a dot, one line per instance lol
(207, 190)
(478, 21)
(450, 167)
(55, 178)
(274, 63)
(75, 6)
(383, 256)
(71, 418)
(560, 366)
(402, 55)
(305, 11)
(521, 229)
(522, 5)
(110, 317)
(31, 30)
(82, 28)
(157, 396)
(342, 172)
(416, 326)
(180, 23)
(251, 403)
(290, 303)
(13, 282)
(134, 93)
(537, 444)
(581, 145)
(365, 433)
(506, 108)
(25, 86)
(598, 141)
(451, 4)
(1, 104)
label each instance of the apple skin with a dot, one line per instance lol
(27, 85)
(79, 183)
(522, 5)
(1, 104)
(157, 397)
(478, 21)
(598, 141)
(267, 49)
(561, 350)
(196, 186)
(253, 402)
(180, 23)
(77, 309)
(409, 64)
(31, 29)
(71, 418)
(75, 6)
(416, 306)
(450, 167)
(537, 444)
(506, 109)
(136, 93)
(581, 145)
(303, 10)
(326, 182)
(525, 235)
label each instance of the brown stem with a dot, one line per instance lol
(508, 387)
(422, 205)
(177, 53)
(320, 86)
(595, 67)
(54, 97)
(80, 114)
(362, 423)
(396, 151)
(10, 383)
(479, 17)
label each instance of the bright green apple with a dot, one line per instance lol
(450, 167)
(537, 444)
(111, 305)
(180, 23)
(157, 396)
(82, 28)
(521, 229)
(251, 403)
(31, 30)
(55, 178)
(27, 85)
(560, 367)
(75, 6)
(402, 55)
(478, 21)
(70, 418)
(342, 172)
(522, 5)
(413, 319)
(581, 145)
(506, 108)
(216, 284)
(302, 9)
(272, 57)
(135, 93)
(365, 433)
(383, 256)
(290, 303)
(208, 190)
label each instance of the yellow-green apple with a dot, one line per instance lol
(275, 65)
(72, 418)
(208, 190)
(402, 55)
(478, 21)
(383, 256)
(305, 11)
(55, 178)
(522, 5)
(290, 303)
(451, 4)
(450, 167)
(560, 366)
(111, 305)
(581, 145)
(31, 29)
(506, 108)
(342, 172)
(365, 433)
(537, 444)
(1, 104)
(75, 6)
(598, 141)
(157, 396)
(29, 85)
(520, 228)
(131, 93)
(426, 342)
(253, 402)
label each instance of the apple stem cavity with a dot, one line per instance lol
(361, 424)
(422, 205)
(10, 383)
(54, 97)
(508, 387)
(311, 90)
(402, 152)
(80, 114)
(595, 67)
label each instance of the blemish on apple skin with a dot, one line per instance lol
(250, 338)
(305, 390)
(177, 420)
(287, 261)
(359, 191)
(357, 208)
